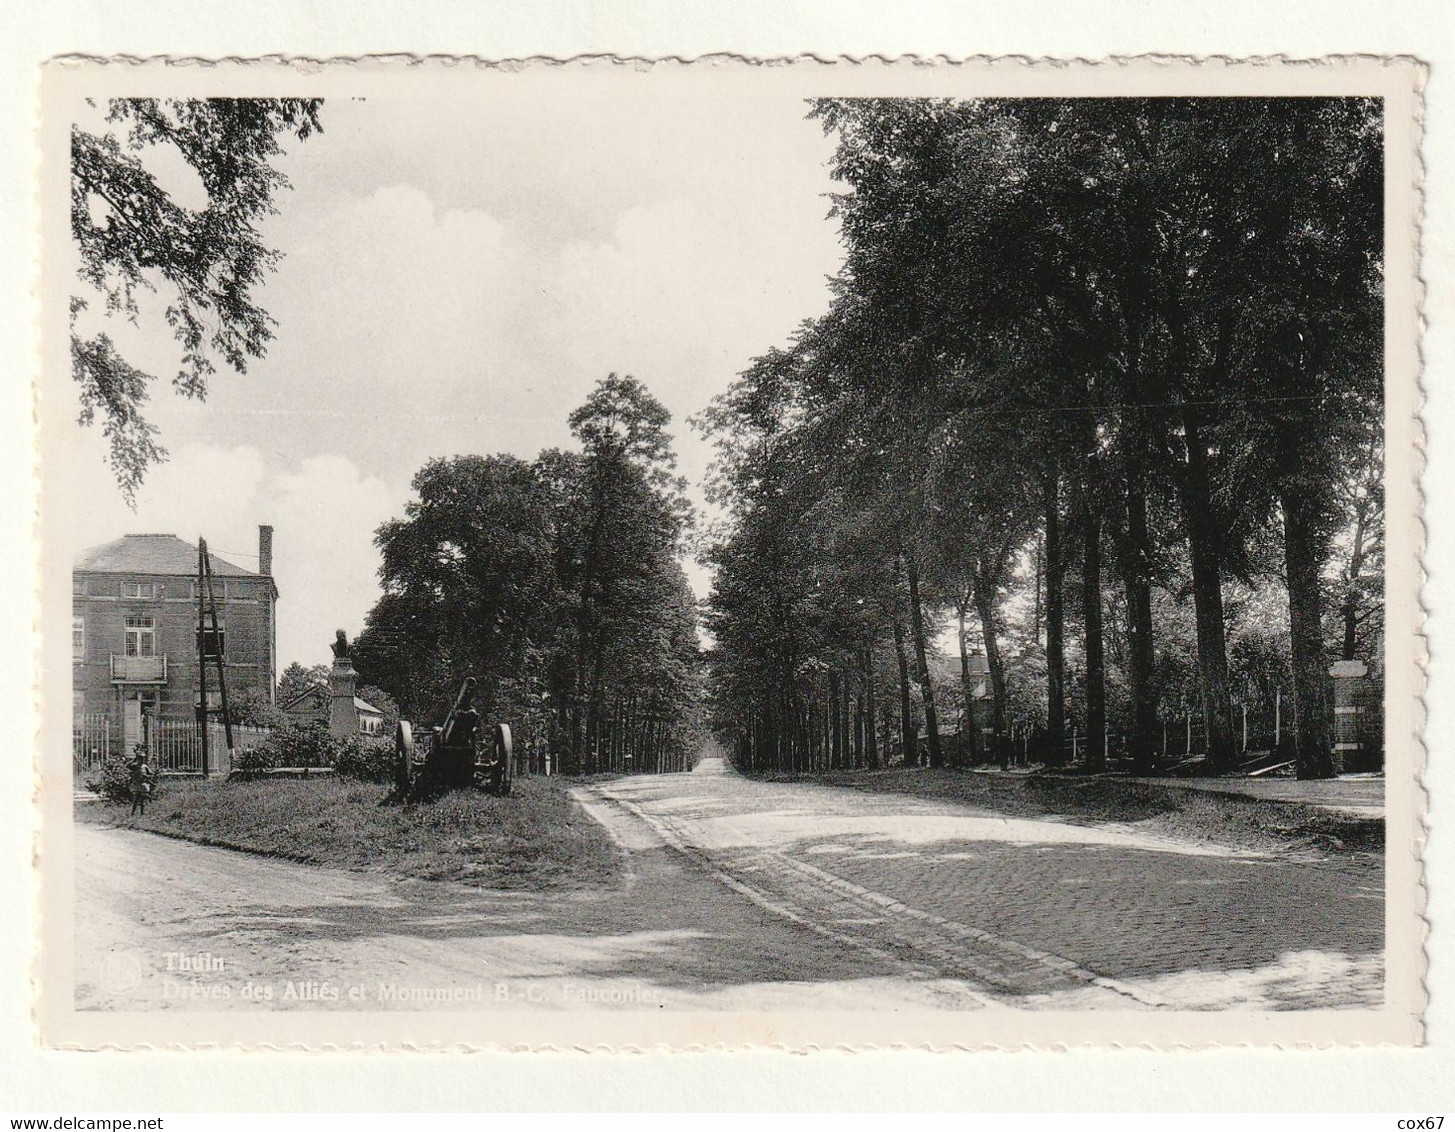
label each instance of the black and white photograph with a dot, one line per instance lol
(709, 553)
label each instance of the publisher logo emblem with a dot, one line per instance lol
(121, 972)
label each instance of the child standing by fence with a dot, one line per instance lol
(141, 781)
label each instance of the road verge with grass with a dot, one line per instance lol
(1223, 819)
(536, 839)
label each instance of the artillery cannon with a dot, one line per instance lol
(453, 756)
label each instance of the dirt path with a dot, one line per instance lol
(742, 895)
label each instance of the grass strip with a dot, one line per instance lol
(1236, 821)
(536, 839)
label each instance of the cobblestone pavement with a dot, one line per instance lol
(1032, 912)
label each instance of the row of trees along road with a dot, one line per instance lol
(1099, 379)
(557, 584)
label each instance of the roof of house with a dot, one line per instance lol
(322, 694)
(151, 554)
(296, 700)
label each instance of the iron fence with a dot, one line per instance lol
(93, 740)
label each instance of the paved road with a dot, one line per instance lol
(1035, 911)
(745, 895)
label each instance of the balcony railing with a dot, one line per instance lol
(138, 669)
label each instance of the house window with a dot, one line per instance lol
(213, 641)
(219, 589)
(141, 636)
(78, 638)
(78, 586)
(144, 590)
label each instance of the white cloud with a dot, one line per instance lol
(324, 517)
(324, 511)
(455, 279)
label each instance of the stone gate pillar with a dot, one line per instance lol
(1348, 711)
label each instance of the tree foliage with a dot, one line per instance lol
(297, 678)
(205, 264)
(1131, 342)
(556, 583)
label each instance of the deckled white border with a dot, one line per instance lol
(1399, 81)
(1254, 1078)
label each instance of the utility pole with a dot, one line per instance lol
(202, 653)
(207, 608)
(217, 644)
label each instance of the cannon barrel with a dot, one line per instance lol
(459, 726)
(462, 701)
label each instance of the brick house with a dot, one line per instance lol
(134, 631)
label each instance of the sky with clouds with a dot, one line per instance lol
(456, 278)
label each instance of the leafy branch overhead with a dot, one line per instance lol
(205, 264)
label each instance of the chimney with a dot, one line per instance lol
(265, 550)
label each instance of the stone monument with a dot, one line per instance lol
(343, 713)
(1349, 692)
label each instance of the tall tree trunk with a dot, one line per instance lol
(907, 730)
(1036, 588)
(1055, 623)
(1207, 592)
(927, 689)
(836, 738)
(1091, 621)
(1310, 705)
(990, 630)
(858, 732)
(970, 740)
(871, 734)
(1137, 582)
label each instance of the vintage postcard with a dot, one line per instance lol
(625, 554)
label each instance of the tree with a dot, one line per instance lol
(627, 516)
(297, 679)
(251, 707)
(556, 584)
(133, 235)
(1152, 323)
(469, 585)
(1292, 321)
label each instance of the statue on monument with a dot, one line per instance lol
(343, 713)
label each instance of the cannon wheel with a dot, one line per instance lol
(403, 756)
(500, 771)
